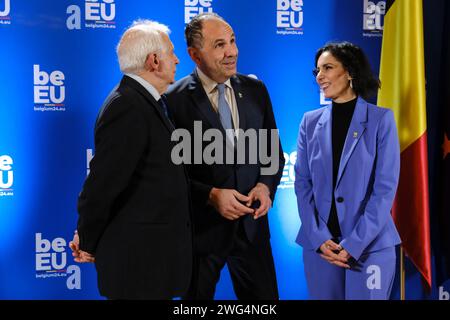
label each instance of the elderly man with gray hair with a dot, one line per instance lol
(134, 220)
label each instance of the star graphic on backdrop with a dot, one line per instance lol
(446, 146)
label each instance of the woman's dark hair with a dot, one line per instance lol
(353, 59)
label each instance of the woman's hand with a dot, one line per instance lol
(335, 254)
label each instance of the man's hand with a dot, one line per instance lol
(260, 192)
(335, 254)
(228, 203)
(79, 255)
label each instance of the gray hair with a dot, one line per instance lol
(137, 42)
(193, 30)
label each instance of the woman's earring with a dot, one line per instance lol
(351, 83)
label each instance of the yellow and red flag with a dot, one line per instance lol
(402, 75)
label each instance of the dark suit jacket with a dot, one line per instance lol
(134, 211)
(188, 102)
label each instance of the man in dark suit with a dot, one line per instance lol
(230, 200)
(134, 209)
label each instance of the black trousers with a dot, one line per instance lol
(251, 268)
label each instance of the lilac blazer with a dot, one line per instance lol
(366, 182)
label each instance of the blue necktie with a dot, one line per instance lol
(163, 106)
(225, 113)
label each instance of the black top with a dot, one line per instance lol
(342, 114)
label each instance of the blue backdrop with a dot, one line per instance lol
(58, 63)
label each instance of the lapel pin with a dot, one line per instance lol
(355, 134)
(240, 95)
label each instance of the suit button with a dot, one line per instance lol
(340, 199)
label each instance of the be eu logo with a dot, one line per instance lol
(288, 177)
(5, 9)
(49, 90)
(51, 261)
(89, 156)
(6, 176)
(195, 7)
(323, 100)
(289, 17)
(373, 12)
(97, 14)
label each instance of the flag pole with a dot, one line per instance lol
(402, 274)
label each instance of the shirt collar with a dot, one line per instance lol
(151, 89)
(208, 84)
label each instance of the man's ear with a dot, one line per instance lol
(152, 62)
(194, 54)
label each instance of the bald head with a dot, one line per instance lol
(214, 50)
(194, 29)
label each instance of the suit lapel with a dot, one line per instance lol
(323, 134)
(354, 134)
(138, 87)
(241, 101)
(203, 104)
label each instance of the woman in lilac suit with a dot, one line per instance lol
(346, 177)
